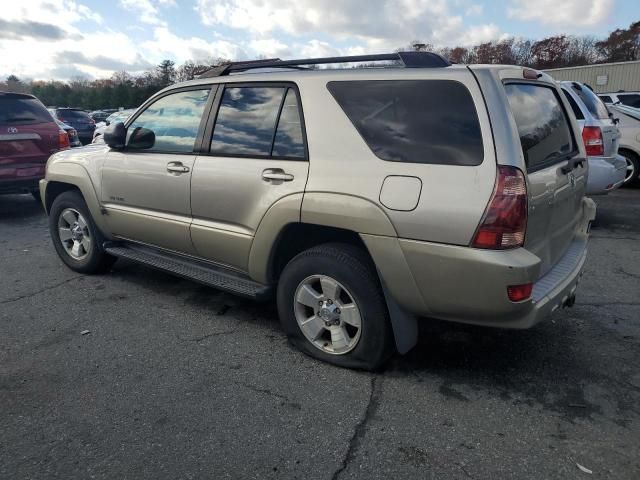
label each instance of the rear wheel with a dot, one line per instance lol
(332, 307)
(75, 236)
(633, 167)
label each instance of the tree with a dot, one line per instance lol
(622, 45)
(550, 52)
(166, 72)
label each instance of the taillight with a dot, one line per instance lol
(519, 293)
(592, 138)
(63, 140)
(505, 220)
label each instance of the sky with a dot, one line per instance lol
(65, 39)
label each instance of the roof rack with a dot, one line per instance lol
(408, 60)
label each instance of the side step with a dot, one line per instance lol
(192, 269)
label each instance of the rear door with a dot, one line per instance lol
(254, 155)
(28, 136)
(550, 147)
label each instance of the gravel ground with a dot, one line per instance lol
(175, 380)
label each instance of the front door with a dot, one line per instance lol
(146, 188)
(257, 156)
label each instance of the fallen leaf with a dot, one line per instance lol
(584, 469)
(85, 332)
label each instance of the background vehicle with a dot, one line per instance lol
(629, 126)
(78, 119)
(28, 136)
(361, 199)
(101, 115)
(115, 117)
(74, 140)
(601, 137)
(631, 99)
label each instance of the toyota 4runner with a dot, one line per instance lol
(361, 198)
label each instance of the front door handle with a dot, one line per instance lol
(177, 167)
(277, 175)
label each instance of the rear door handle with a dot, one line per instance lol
(177, 167)
(276, 174)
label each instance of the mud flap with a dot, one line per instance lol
(404, 324)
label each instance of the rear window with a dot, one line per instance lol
(593, 103)
(22, 111)
(542, 124)
(74, 114)
(632, 99)
(414, 121)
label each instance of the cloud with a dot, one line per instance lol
(380, 24)
(566, 13)
(146, 10)
(25, 29)
(101, 62)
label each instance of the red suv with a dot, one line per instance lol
(28, 136)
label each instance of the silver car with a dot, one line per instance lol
(600, 136)
(629, 126)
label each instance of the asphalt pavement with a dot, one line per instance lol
(175, 380)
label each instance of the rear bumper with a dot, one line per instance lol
(469, 285)
(19, 185)
(605, 174)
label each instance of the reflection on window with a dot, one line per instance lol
(246, 121)
(542, 124)
(174, 119)
(288, 141)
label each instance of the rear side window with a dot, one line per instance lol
(631, 99)
(606, 98)
(542, 124)
(414, 121)
(16, 110)
(574, 105)
(258, 122)
(593, 103)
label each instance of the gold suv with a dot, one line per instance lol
(361, 198)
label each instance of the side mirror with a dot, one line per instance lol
(115, 135)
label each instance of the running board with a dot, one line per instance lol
(192, 269)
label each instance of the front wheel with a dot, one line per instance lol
(332, 307)
(75, 236)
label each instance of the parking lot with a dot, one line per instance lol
(175, 380)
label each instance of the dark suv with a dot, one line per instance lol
(78, 119)
(28, 136)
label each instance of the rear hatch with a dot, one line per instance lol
(28, 136)
(555, 182)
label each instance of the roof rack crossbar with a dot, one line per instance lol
(407, 59)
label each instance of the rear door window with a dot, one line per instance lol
(260, 121)
(605, 98)
(414, 121)
(19, 110)
(593, 103)
(631, 99)
(542, 124)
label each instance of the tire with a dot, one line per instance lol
(331, 332)
(89, 257)
(633, 162)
